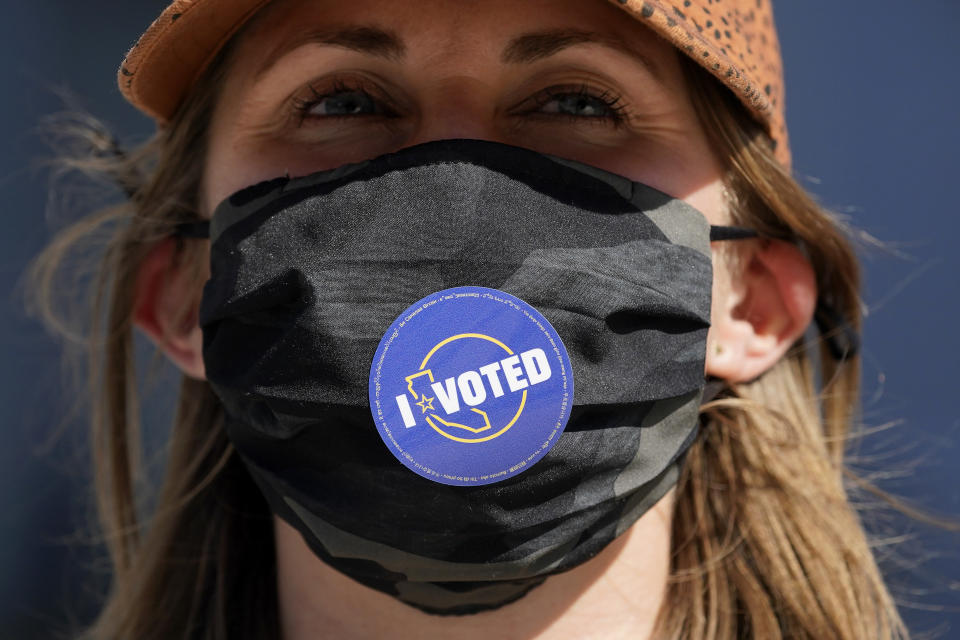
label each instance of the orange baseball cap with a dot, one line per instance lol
(735, 40)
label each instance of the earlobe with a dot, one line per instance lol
(165, 308)
(769, 305)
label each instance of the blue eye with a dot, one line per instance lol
(577, 105)
(579, 102)
(342, 99)
(343, 103)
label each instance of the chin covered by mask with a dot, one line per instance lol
(577, 295)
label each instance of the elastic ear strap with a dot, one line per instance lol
(712, 389)
(718, 233)
(843, 342)
(199, 229)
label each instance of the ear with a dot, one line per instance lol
(166, 308)
(767, 307)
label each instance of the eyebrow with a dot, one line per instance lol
(531, 47)
(524, 49)
(370, 40)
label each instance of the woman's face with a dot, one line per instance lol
(314, 85)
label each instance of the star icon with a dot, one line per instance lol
(425, 404)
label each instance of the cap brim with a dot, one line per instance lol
(169, 57)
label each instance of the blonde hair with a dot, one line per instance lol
(765, 541)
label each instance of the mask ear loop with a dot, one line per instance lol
(842, 341)
(198, 229)
(719, 233)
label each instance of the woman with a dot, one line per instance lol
(737, 528)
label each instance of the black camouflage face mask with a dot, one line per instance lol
(311, 276)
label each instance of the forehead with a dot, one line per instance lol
(437, 30)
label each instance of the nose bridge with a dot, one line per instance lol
(461, 106)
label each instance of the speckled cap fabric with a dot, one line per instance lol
(735, 40)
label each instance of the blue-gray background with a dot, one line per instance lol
(873, 109)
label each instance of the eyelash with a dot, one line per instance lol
(612, 101)
(609, 99)
(303, 105)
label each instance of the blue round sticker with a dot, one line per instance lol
(470, 386)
